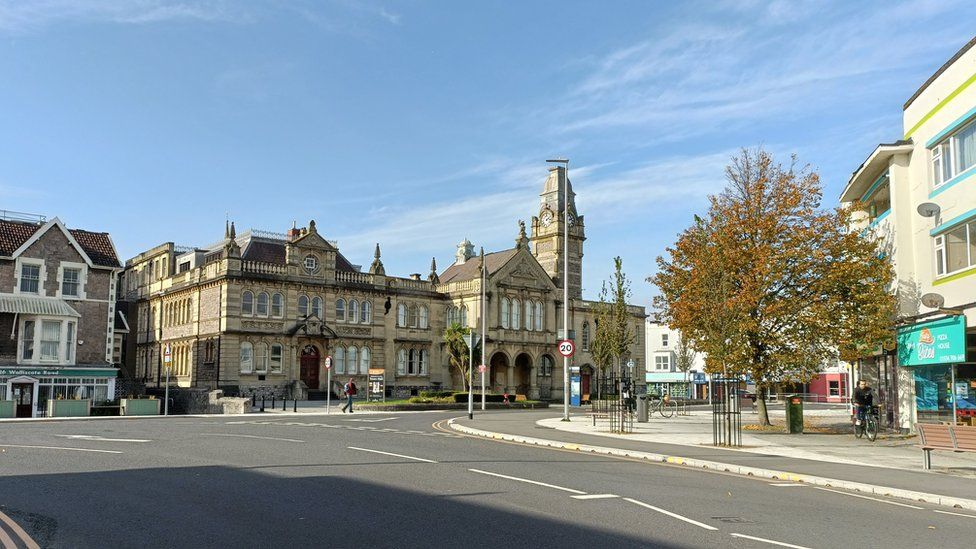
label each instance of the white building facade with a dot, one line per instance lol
(664, 374)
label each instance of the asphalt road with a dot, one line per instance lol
(403, 480)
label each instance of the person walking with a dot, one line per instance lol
(349, 389)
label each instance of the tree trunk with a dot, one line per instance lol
(761, 405)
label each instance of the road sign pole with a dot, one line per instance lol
(470, 389)
(328, 384)
(166, 397)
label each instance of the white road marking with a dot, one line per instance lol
(28, 541)
(391, 454)
(103, 439)
(769, 541)
(870, 498)
(251, 436)
(537, 483)
(670, 514)
(956, 514)
(786, 484)
(372, 420)
(6, 541)
(596, 496)
(60, 448)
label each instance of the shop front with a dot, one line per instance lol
(676, 384)
(945, 381)
(31, 388)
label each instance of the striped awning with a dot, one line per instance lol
(35, 305)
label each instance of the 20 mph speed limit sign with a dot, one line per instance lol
(567, 348)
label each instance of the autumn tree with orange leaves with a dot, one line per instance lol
(771, 284)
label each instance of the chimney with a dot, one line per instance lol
(293, 232)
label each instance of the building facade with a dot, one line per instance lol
(918, 197)
(664, 374)
(57, 303)
(261, 310)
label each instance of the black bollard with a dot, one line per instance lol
(272, 401)
(284, 404)
(254, 400)
(262, 403)
(296, 406)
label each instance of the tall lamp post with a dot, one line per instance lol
(470, 338)
(565, 277)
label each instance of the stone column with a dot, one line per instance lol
(509, 378)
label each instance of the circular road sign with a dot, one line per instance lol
(328, 362)
(567, 347)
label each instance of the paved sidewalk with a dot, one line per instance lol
(524, 424)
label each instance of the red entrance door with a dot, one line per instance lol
(585, 387)
(310, 367)
(23, 399)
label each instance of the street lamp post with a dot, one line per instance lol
(470, 338)
(565, 281)
(484, 325)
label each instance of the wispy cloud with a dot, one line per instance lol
(26, 16)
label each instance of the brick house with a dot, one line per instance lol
(57, 313)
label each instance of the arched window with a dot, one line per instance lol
(412, 315)
(424, 316)
(401, 315)
(529, 315)
(262, 308)
(189, 309)
(276, 352)
(247, 358)
(303, 305)
(351, 360)
(423, 362)
(261, 358)
(450, 316)
(538, 316)
(463, 314)
(247, 303)
(340, 310)
(364, 360)
(353, 310)
(516, 314)
(585, 336)
(277, 305)
(340, 360)
(317, 307)
(545, 369)
(412, 362)
(402, 362)
(506, 310)
(366, 315)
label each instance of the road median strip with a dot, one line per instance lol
(900, 493)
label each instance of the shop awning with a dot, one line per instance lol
(35, 305)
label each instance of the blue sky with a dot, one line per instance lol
(418, 123)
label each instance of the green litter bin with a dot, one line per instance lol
(794, 415)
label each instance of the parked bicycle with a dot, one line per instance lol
(664, 406)
(869, 426)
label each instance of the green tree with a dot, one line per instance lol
(771, 284)
(613, 335)
(457, 350)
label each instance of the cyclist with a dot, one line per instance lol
(863, 400)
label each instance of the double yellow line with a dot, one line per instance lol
(8, 542)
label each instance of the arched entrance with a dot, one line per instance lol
(310, 367)
(586, 377)
(523, 373)
(498, 372)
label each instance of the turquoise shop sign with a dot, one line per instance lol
(940, 341)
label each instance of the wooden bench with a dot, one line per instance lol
(939, 436)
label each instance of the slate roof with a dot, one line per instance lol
(273, 251)
(98, 246)
(470, 269)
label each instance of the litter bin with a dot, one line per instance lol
(794, 415)
(642, 409)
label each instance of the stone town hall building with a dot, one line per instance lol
(261, 309)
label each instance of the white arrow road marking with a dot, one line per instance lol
(769, 541)
(251, 436)
(596, 496)
(60, 448)
(670, 514)
(866, 497)
(570, 490)
(391, 454)
(103, 439)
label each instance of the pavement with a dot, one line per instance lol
(681, 441)
(406, 480)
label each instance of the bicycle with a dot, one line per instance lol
(664, 406)
(869, 426)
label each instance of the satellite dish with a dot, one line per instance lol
(928, 209)
(933, 301)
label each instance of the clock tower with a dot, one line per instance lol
(549, 229)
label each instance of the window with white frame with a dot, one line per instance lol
(69, 342)
(402, 362)
(353, 311)
(262, 308)
(247, 358)
(340, 310)
(317, 307)
(955, 249)
(276, 354)
(662, 362)
(30, 277)
(340, 360)
(277, 305)
(364, 358)
(401, 315)
(413, 315)
(50, 340)
(27, 341)
(261, 358)
(954, 154)
(506, 310)
(303, 305)
(664, 340)
(247, 303)
(71, 281)
(366, 313)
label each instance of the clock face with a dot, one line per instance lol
(547, 218)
